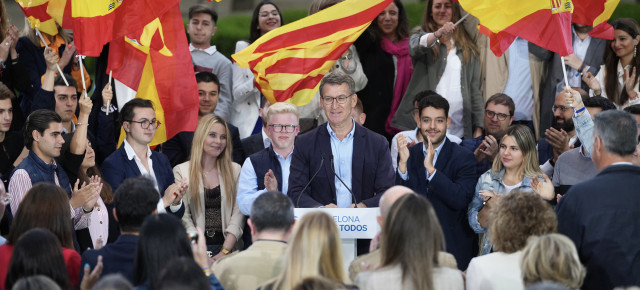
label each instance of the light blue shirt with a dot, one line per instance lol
(342, 163)
(519, 86)
(405, 176)
(248, 182)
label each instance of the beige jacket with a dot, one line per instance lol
(232, 218)
(374, 258)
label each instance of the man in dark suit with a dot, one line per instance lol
(134, 158)
(340, 163)
(444, 172)
(134, 200)
(178, 148)
(601, 215)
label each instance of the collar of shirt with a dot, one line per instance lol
(350, 135)
(73, 128)
(210, 51)
(265, 139)
(132, 154)
(621, 163)
(280, 157)
(576, 38)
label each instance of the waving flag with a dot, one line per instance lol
(547, 23)
(289, 62)
(155, 64)
(36, 13)
(595, 13)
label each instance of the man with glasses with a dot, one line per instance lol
(498, 115)
(135, 158)
(339, 164)
(268, 169)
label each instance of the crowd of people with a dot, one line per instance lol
(489, 172)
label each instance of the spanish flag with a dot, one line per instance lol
(36, 13)
(595, 13)
(547, 23)
(289, 62)
(155, 64)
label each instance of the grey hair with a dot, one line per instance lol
(113, 282)
(338, 78)
(618, 131)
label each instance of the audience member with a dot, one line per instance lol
(618, 77)
(384, 53)
(163, 238)
(321, 283)
(135, 158)
(202, 26)
(271, 223)
(35, 282)
(182, 273)
(515, 168)
(552, 257)
(591, 225)
(373, 259)
(268, 169)
(210, 201)
(14, 74)
(356, 161)
(586, 57)
(44, 206)
(134, 200)
(575, 165)
(635, 111)
(358, 114)
(442, 171)
(498, 115)
(246, 97)
(178, 148)
(446, 61)
(315, 230)
(259, 140)
(11, 141)
(411, 221)
(43, 137)
(516, 217)
(38, 252)
(113, 282)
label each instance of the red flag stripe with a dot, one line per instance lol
(305, 83)
(88, 42)
(39, 12)
(319, 30)
(297, 65)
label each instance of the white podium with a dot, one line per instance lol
(353, 224)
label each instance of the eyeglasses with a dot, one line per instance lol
(562, 108)
(146, 123)
(266, 13)
(278, 128)
(492, 114)
(341, 99)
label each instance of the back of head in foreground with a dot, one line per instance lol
(135, 199)
(552, 257)
(272, 211)
(615, 136)
(412, 221)
(314, 250)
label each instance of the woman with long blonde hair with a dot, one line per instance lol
(210, 202)
(514, 168)
(314, 250)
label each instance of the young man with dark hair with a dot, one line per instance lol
(135, 158)
(206, 58)
(444, 172)
(135, 199)
(271, 223)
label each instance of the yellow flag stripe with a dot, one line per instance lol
(94, 8)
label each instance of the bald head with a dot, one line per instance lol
(390, 196)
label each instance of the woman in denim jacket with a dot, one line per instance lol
(514, 168)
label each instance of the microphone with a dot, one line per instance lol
(355, 203)
(310, 180)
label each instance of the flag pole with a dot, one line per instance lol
(59, 69)
(84, 86)
(109, 84)
(564, 72)
(461, 19)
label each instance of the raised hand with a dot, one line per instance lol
(544, 188)
(591, 81)
(629, 83)
(270, 181)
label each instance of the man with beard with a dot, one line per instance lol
(444, 172)
(560, 137)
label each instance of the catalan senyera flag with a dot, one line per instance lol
(36, 13)
(289, 62)
(546, 23)
(155, 64)
(595, 13)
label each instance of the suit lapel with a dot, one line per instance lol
(444, 156)
(130, 163)
(325, 150)
(357, 163)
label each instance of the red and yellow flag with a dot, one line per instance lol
(36, 13)
(155, 64)
(595, 13)
(289, 62)
(547, 23)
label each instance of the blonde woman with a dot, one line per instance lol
(514, 168)
(210, 202)
(314, 250)
(552, 257)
